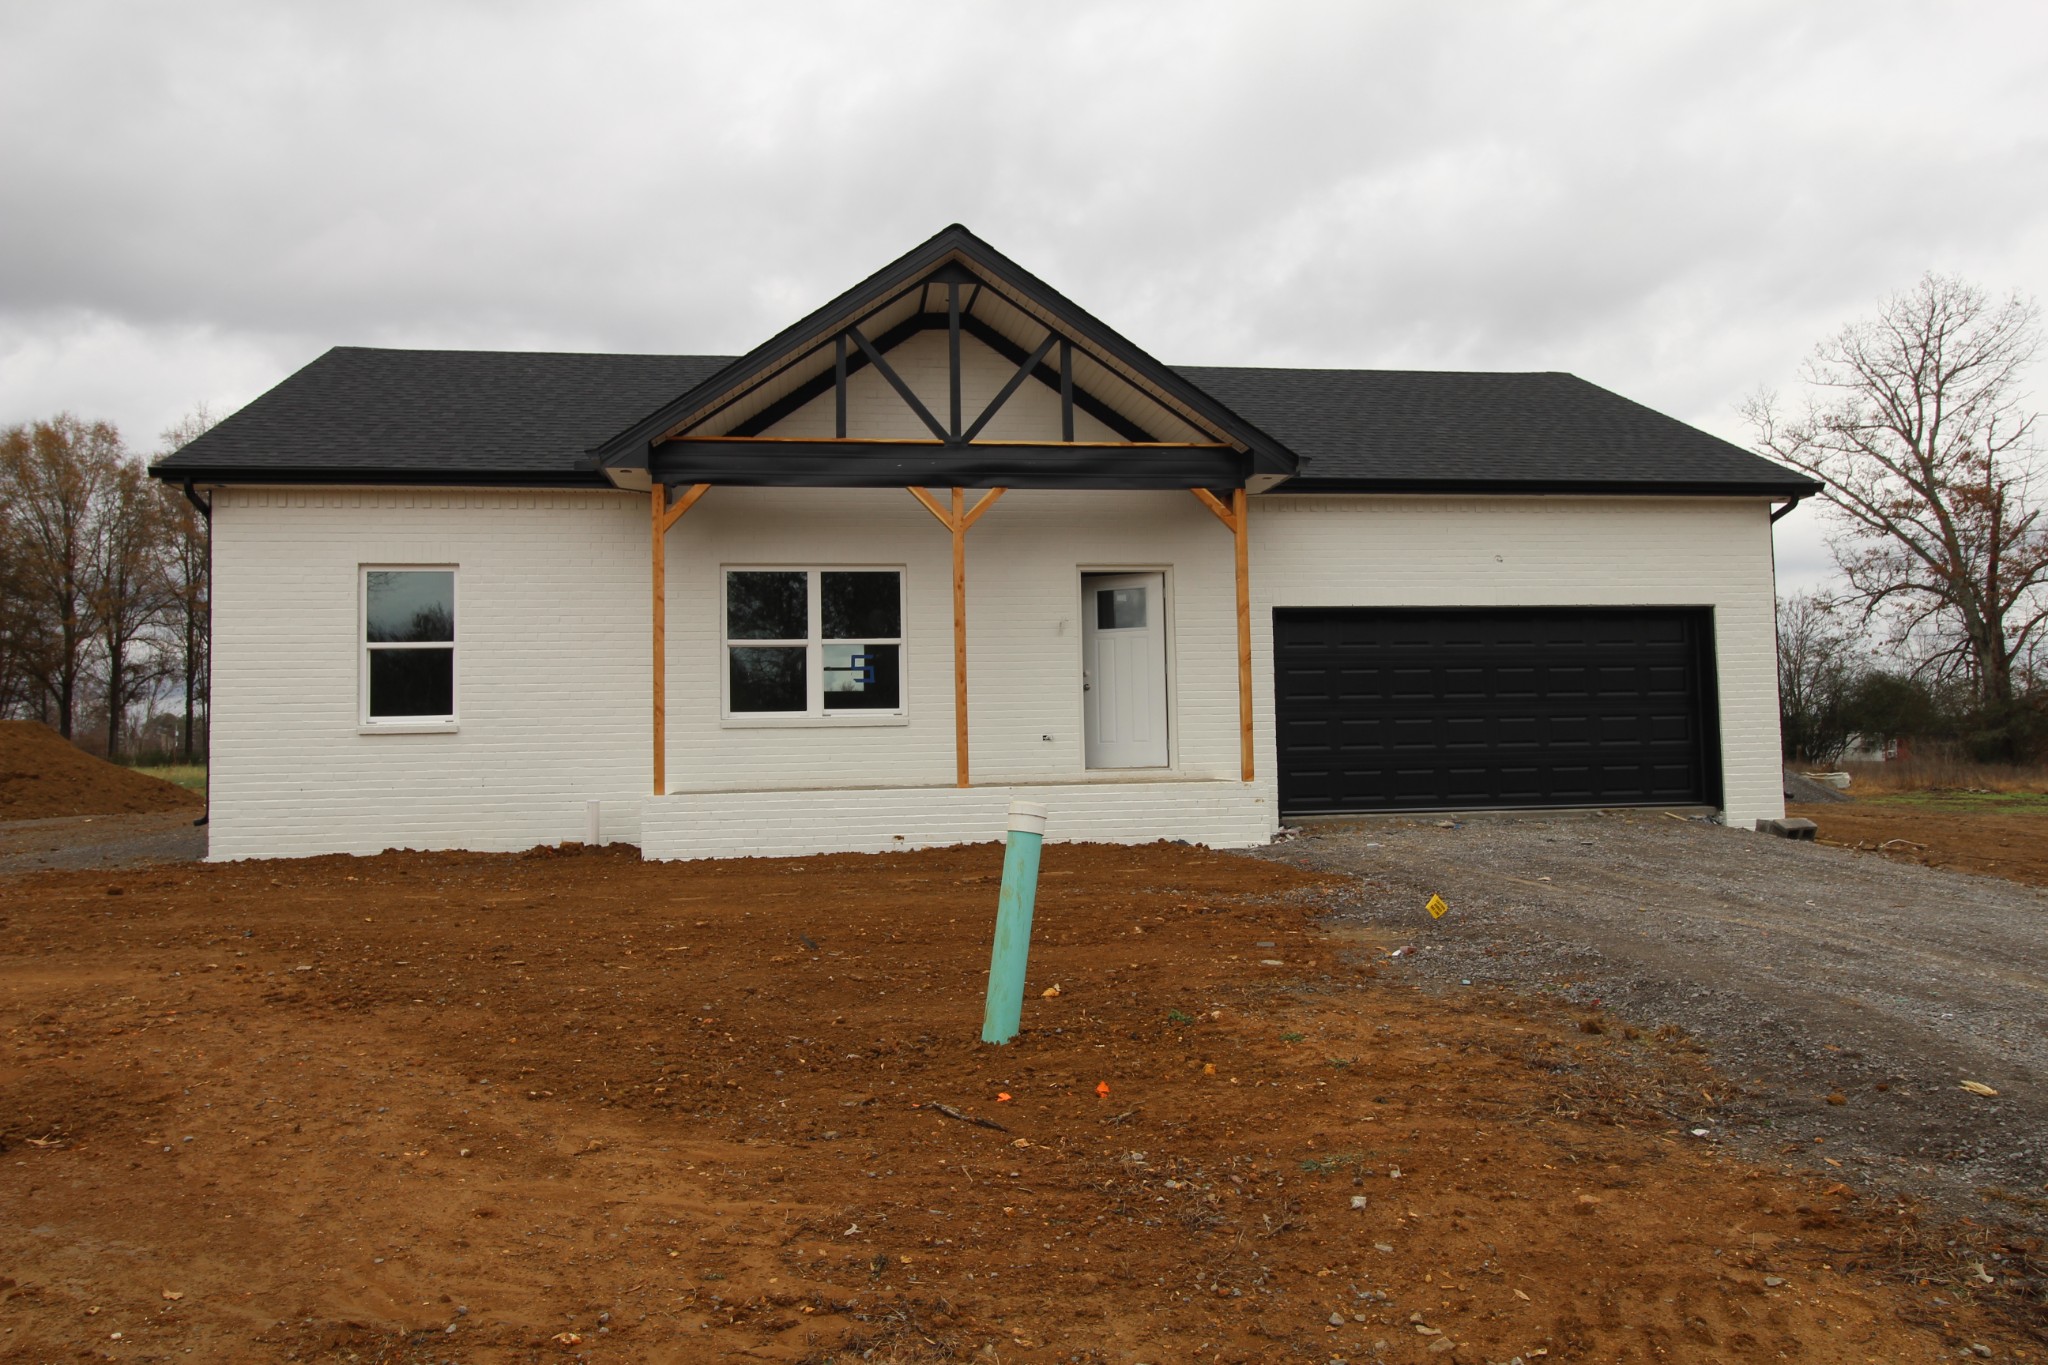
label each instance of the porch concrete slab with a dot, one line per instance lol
(790, 824)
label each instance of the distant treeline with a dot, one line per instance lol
(103, 591)
(1839, 697)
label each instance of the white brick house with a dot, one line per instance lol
(771, 604)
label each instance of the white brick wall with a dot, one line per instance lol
(1489, 552)
(553, 695)
(553, 626)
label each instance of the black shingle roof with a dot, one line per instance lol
(360, 415)
(1425, 430)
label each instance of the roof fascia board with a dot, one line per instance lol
(386, 476)
(1748, 488)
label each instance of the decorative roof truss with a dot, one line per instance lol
(948, 355)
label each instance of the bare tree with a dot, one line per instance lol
(1818, 667)
(21, 635)
(186, 564)
(129, 590)
(53, 477)
(1916, 423)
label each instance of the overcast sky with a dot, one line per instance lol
(1672, 200)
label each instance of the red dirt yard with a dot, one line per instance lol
(1994, 842)
(497, 1108)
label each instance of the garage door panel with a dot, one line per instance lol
(1405, 710)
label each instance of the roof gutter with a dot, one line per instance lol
(1786, 510)
(205, 505)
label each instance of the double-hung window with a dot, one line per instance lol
(408, 648)
(813, 642)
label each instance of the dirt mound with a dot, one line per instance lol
(44, 776)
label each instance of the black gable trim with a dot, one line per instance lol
(630, 446)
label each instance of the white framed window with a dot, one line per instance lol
(813, 643)
(407, 644)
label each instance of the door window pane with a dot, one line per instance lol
(863, 677)
(767, 679)
(767, 605)
(861, 605)
(1119, 608)
(411, 604)
(411, 682)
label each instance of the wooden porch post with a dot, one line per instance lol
(659, 616)
(959, 529)
(956, 520)
(1236, 517)
(1241, 507)
(664, 517)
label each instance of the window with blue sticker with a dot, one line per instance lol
(813, 642)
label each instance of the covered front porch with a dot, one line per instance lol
(1077, 468)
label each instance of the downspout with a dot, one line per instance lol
(205, 506)
(1777, 647)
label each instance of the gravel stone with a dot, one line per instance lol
(1805, 970)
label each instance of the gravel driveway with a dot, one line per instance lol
(1808, 972)
(84, 842)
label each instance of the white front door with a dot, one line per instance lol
(1123, 669)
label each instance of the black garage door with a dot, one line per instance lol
(1467, 709)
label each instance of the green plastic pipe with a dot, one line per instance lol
(1012, 948)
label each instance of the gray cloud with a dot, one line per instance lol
(1674, 201)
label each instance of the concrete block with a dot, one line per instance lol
(1789, 828)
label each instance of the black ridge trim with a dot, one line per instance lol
(824, 464)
